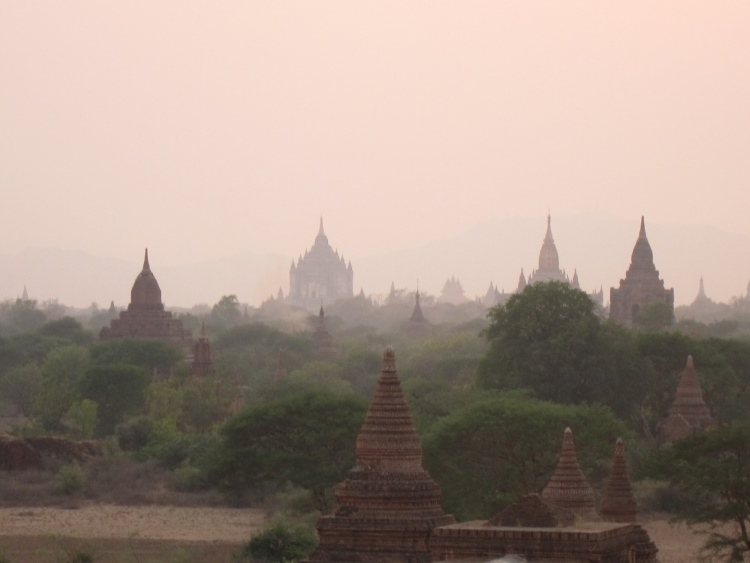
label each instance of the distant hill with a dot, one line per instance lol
(598, 247)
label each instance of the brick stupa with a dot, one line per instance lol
(689, 413)
(145, 317)
(568, 487)
(388, 505)
(203, 357)
(619, 503)
(323, 342)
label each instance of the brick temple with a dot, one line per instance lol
(388, 505)
(689, 413)
(641, 285)
(145, 317)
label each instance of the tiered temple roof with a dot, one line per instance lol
(689, 412)
(618, 504)
(145, 317)
(549, 260)
(568, 486)
(388, 505)
(641, 285)
(321, 275)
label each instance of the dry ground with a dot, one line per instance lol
(136, 534)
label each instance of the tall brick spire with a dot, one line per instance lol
(568, 486)
(689, 412)
(388, 504)
(619, 503)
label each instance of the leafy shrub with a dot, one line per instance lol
(281, 542)
(70, 479)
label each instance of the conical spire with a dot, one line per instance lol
(689, 412)
(203, 329)
(521, 282)
(549, 260)
(416, 314)
(701, 293)
(25, 294)
(574, 281)
(321, 239)
(146, 292)
(568, 486)
(320, 230)
(388, 505)
(619, 503)
(642, 257)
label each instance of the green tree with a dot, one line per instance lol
(149, 355)
(205, 403)
(550, 340)
(69, 329)
(654, 316)
(62, 371)
(83, 415)
(711, 471)
(307, 440)
(280, 542)
(490, 453)
(21, 386)
(226, 312)
(118, 389)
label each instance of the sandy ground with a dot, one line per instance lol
(147, 522)
(216, 531)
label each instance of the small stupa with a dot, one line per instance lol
(388, 505)
(689, 412)
(323, 341)
(568, 487)
(203, 358)
(619, 503)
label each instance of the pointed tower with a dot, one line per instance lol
(549, 261)
(574, 282)
(521, 282)
(689, 413)
(321, 275)
(619, 503)
(388, 505)
(568, 486)
(203, 358)
(322, 338)
(641, 284)
(701, 298)
(145, 317)
(25, 294)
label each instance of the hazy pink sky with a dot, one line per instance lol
(203, 128)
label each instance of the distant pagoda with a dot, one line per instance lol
(203, 357)
(641, 285)
(549, 260)
(388, 505)
(689, 413)
(321, 276)
(323, 341)
(417, 325)
(145, 317)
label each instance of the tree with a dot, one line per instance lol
(280, 542)
(227, 311)
(118, 389)
(712, 473)
(62, 371)
(306, 439)
(654, 316)
(20, 387)
(149, 355)
(549, 339)
(68, 328)
(488, 454)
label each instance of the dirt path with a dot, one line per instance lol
(152, 522)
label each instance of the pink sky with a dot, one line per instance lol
(205, 128)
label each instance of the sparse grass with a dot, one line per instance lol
(108, 480)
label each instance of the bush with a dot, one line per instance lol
(281, 542)
(70, 479)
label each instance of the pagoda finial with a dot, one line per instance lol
(320, 230)
(145, 261)
(321, 314)
(203, 328)
(642, 232)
